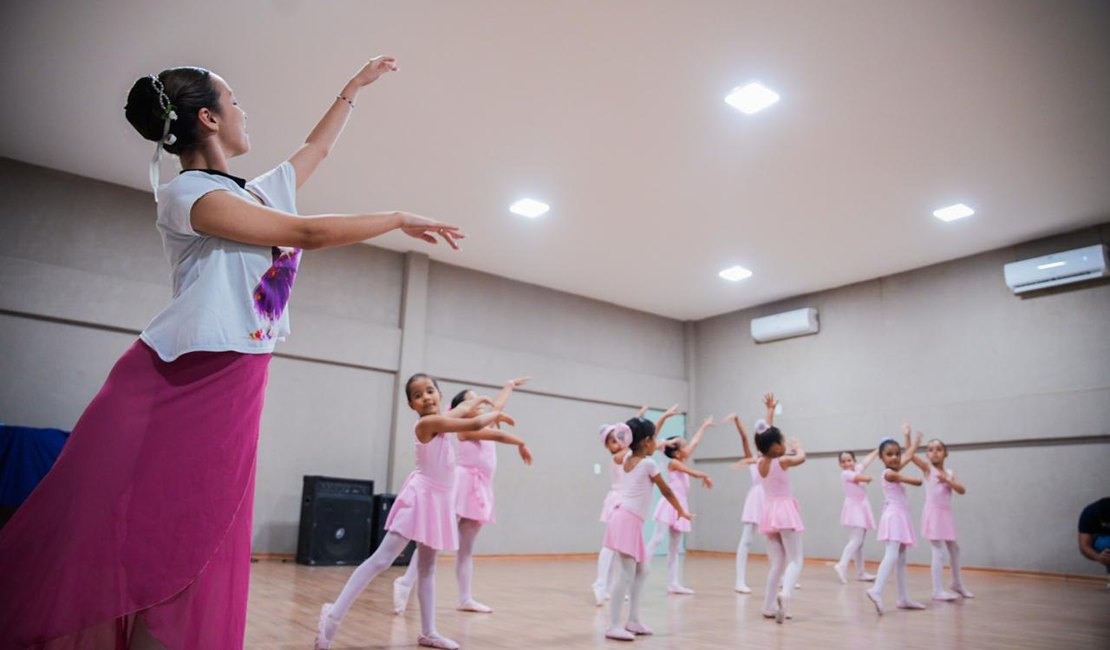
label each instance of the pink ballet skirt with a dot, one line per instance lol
(665, 512)
(625, 534)
(856, 513)
(780, 509)
(147, 511)
(424, 510)
(753, 503)
(937, 522)
(894, 523)
(477, 463)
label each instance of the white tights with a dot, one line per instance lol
(742, 554)
(464, 560)
(938, 564)
(785, 549)
(632, 574)
(392, 546)
(893, 558)
(672, 551)
(607, 571)
(853, 551)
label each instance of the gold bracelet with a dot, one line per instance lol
(346, 100)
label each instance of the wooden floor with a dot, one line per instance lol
(546, 603)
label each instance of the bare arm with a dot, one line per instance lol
(430, 426)
(797, 458)
(323, 136)
(497, 435)
(668, 414)
(770, 402)
(1087, 548)
(950, 481)
(507, 390)
(869, 458)
(679, 466)
(700, 432)
(642, 411)
(743, 434)
(225, 215)
(668, 494)
(895, 477)
(860, 477)
(912, 455)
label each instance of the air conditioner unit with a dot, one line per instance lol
(798, 322)
(1056, 269)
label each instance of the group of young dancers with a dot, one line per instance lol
(770, 508)
(448, 497)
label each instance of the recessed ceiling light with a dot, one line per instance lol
(751, 98)
(953, 212)
(735, 273)
(529, 208)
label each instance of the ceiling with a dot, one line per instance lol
(613, 113)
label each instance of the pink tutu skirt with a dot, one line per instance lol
(753, 505)
(895, 526)
(625, 534)
(474, 495)
(666, 514)
(938, 524)
(425, 513)
(781, 513)
(612, 500)
(147, 510)
(856, 513)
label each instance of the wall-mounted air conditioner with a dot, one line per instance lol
(1056, 269)
(798, 322)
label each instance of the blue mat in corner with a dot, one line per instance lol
(26, 455)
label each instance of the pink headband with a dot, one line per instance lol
(620, 432)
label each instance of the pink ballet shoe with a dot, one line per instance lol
(780, 608)
(475, 606)
(638, 628)
(742, 589)
(910, 604)
(866, 577)
(436, 641)
(961, 590)
(841, 574)
(400, 596)
(322, 640)
(618, 634)
(766, 614)
(874, 598)
(945, 596)
(679, 590)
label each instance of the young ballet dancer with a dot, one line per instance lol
(668, 523)
(895, 527)
(616, 438)
(424, 510)
(625, 530)
(937, 523)
(855, 514)
(781, 520)
(753, 502)
(141, 531)
(476, 464)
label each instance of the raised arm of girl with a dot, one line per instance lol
(668, 414)
(866, 462)
(795, 456)
(507, 390)
(696, 440)
(771, 403)
(323, 136)
(920, 462)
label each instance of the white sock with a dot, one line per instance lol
(603, 584)
(954, 561)
(464, 561)
(640, 576)
(627, 568)
(792, 546)
(886, 567)
(777, 553)
(672, 558)
(742, 554)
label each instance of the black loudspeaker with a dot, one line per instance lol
(382, 504)
(336, 521)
